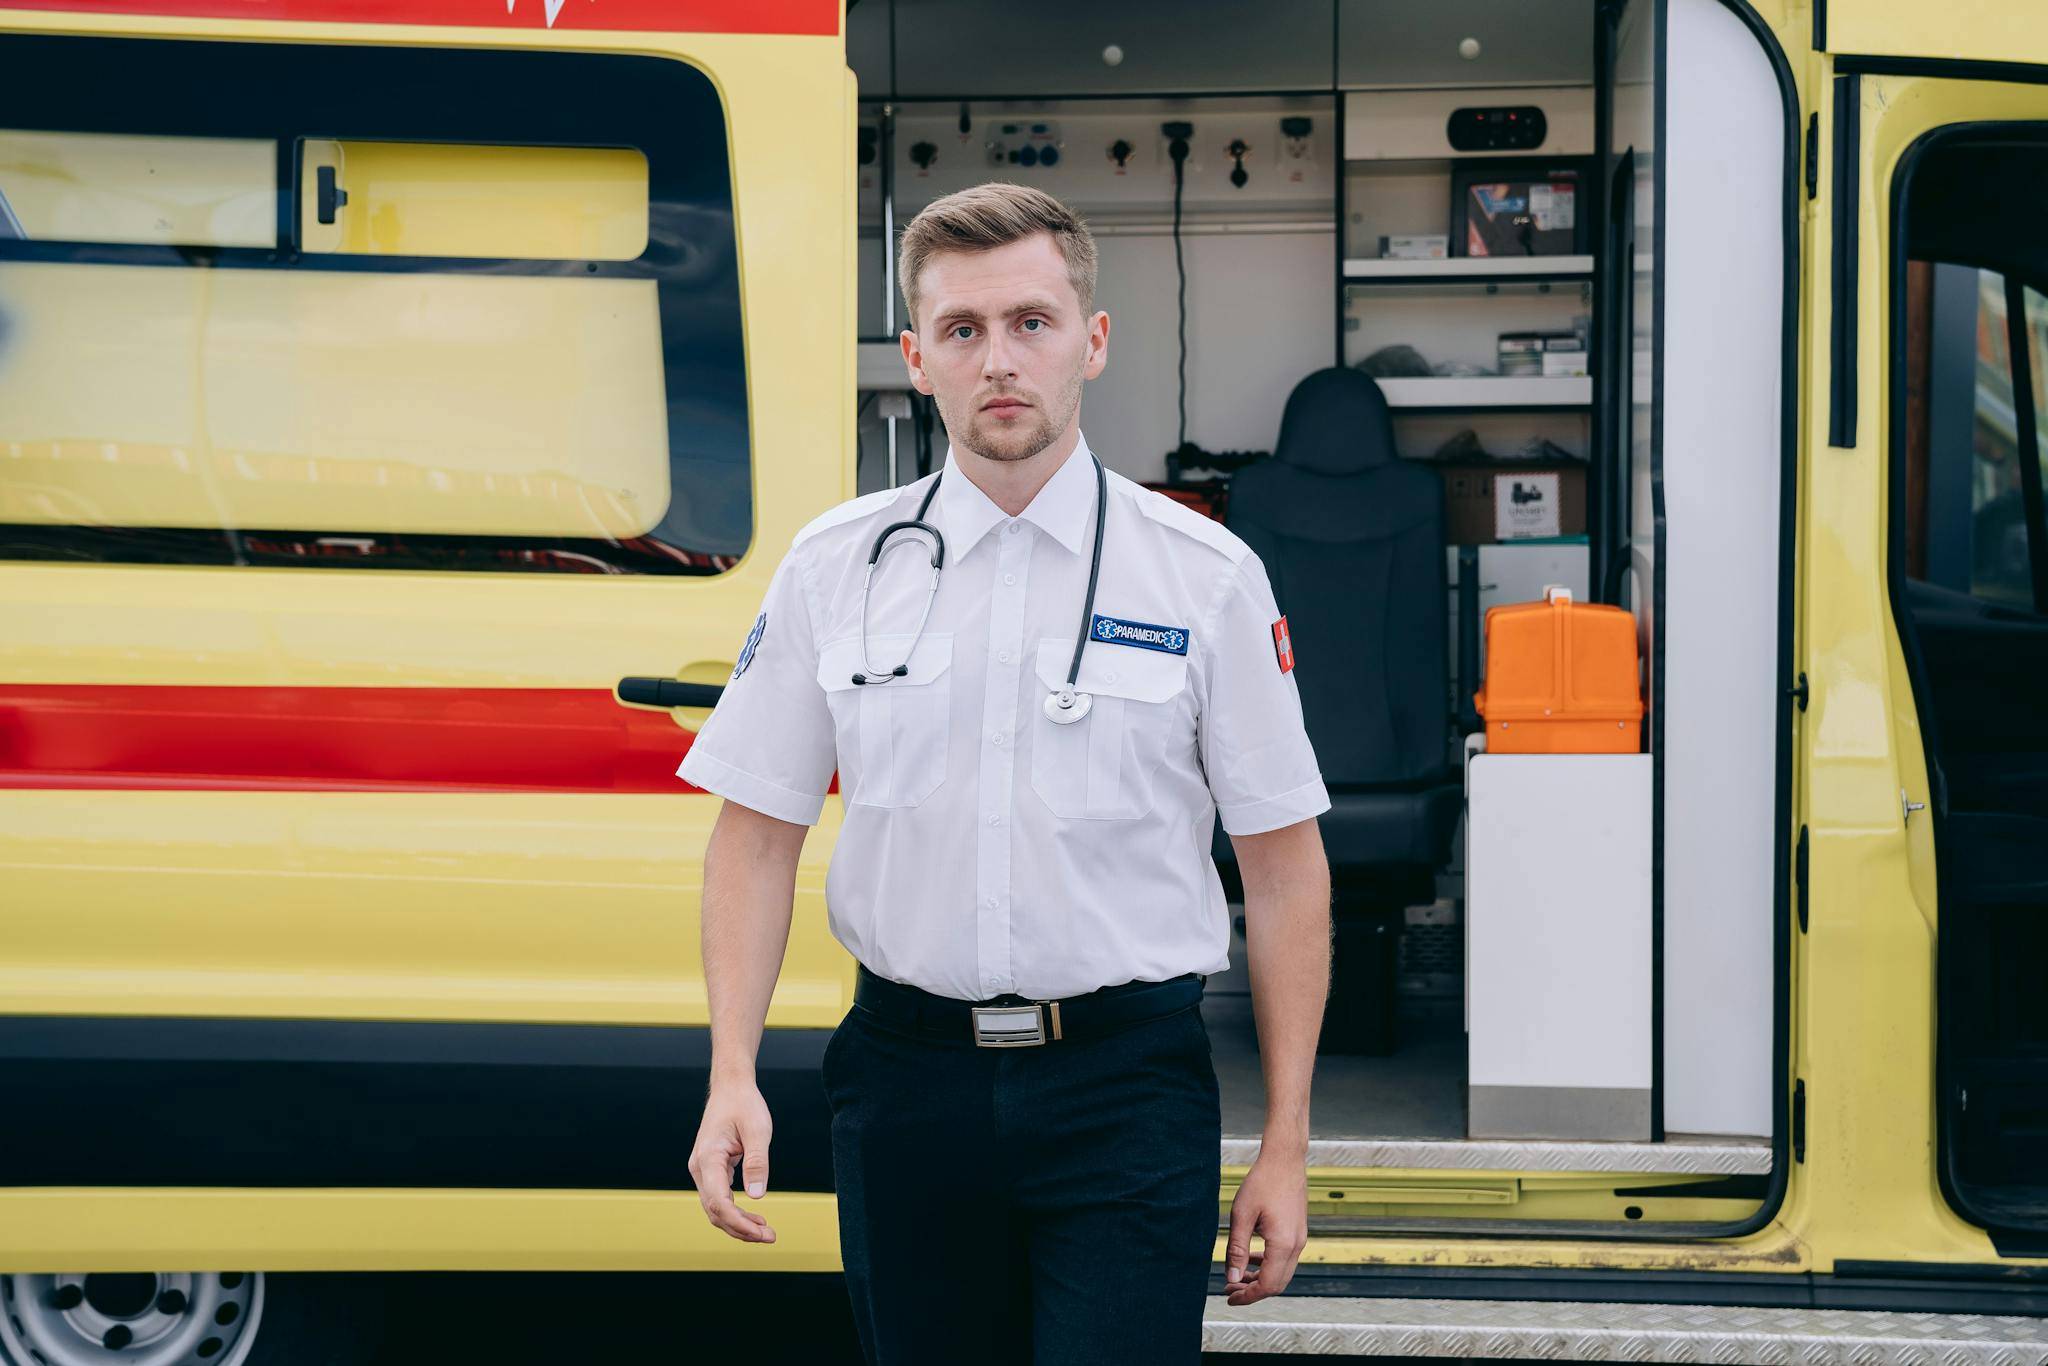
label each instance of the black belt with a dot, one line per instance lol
(1009, 1020)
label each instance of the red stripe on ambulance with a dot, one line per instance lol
(335, 739)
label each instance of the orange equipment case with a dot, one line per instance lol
(1561, 678)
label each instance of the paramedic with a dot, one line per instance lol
(1037, 1184)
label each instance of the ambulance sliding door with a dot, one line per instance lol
(352, 449)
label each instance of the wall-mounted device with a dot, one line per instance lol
(1505, 128)
(1034, 143)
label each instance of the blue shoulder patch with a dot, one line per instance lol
(753, 643)
(1171, 640)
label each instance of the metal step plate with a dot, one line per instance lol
(1309, 1326)
(1678, 1156)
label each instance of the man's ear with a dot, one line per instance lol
(913, 361)
(1098, 346)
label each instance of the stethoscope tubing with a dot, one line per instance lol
(1066, 696)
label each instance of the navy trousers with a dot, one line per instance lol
(1037, 1206)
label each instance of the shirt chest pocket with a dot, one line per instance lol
(892, 736)
(1105, 766)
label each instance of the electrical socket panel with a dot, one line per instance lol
(1024, 144)
(933, 157)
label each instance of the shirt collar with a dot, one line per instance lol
(1061, 508)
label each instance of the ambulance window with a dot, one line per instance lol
(439, 199)
(96, 187)
(1978, 514)
(361, 307)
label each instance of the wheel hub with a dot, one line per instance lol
(129, 1318)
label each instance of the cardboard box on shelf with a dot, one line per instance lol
(1415, 248)
(1525, 353)
(1485, 504)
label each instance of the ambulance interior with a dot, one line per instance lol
(1414, 255)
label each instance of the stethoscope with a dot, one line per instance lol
(1063, 705)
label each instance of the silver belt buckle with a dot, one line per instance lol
(1009, 1026)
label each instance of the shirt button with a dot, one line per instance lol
(1004, 656)
(1009, 578)
(993, 902)
(997, 738)
(995, 820)
(1016, 527)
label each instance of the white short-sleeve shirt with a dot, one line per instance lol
(986, 850)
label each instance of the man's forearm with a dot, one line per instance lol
(1287, 944)
(749, 886)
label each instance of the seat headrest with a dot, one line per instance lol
(1336, 423)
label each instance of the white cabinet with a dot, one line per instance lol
(1557, 905)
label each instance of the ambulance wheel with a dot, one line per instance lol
(229, 1318)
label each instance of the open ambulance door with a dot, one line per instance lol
(1947, 244)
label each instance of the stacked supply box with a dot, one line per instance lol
(1512, 501)
(1529, 354)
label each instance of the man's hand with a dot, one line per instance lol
(736, 1127)
(1273, 1203)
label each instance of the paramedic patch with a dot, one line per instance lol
(753, 643)
(1171, 640)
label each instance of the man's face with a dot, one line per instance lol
(1002, 347)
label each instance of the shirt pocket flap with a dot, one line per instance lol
(1114, 670)
(840, 660)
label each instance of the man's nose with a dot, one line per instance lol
(995, 361)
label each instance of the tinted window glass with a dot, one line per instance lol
(2000, 570)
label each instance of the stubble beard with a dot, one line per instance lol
(995, 443)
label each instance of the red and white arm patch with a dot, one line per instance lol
(1283, 645)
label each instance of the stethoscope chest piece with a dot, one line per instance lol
(1067, 706)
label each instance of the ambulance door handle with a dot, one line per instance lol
(668, 692)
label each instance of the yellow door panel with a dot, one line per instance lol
(317, 573)
(1864, 1035)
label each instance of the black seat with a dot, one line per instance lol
(1352, 538)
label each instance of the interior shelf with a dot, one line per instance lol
(1489, 391)
(1472, 268)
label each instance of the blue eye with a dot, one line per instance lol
(1034, 322)
(962, 330)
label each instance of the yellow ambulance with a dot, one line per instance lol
(403, 405)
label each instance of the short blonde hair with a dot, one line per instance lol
(984, 217)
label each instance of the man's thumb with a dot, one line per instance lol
(1238, 1250)
(755, 1165)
